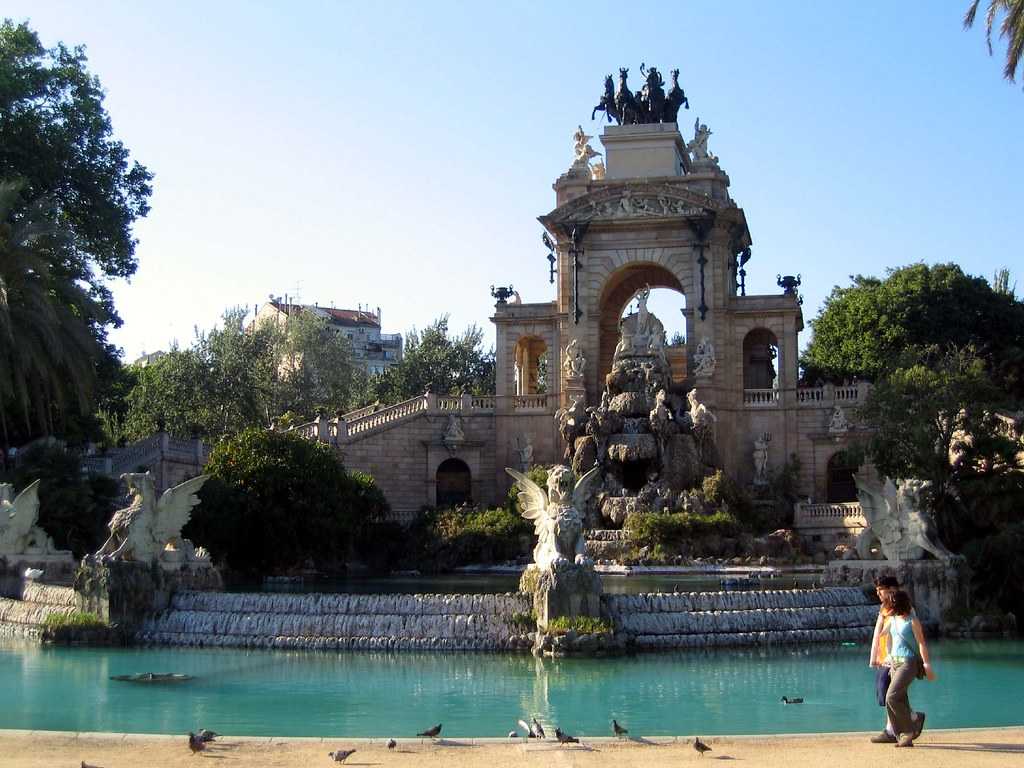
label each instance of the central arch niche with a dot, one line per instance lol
(618, 291)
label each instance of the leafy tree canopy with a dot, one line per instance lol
(238, 376)
(865, 329)
(276, 502)
(56, 137)
(443, 363)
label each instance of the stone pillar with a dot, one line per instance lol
(574, 390)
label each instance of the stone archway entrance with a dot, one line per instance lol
(454, 483)
(839, 483)
(620, 288)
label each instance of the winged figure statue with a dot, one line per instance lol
(895, 516)
(555, 514)
(19, 534)
(143, 530)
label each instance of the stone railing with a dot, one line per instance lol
(531, 402)
(760, 398)
(147, 453)
(830, 394)
(338, 431)
(837, 515)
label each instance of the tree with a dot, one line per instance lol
(435, 360)
(47, 352)
(934, 418)
(1011, 28)
(866, 329)
(56, 136)
(276, 502)
(316, 368)
(56, 144)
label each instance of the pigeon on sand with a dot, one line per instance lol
(431, 733)
(700, 746)
(340, 755)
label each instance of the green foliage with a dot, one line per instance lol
(56, 144)
(433, 359)
(866, 329)
(582, 625)
(77, 620)
(720, 490)
(998, 569)
(74, 510)
(235, 377)
(669, 530)
(276, 502)
(537, 474)
(1006, 16)
(446, 538)
(523, 622)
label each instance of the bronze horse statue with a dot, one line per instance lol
(607, 104)
(625, 102)
(676, 98)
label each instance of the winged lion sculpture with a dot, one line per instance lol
(555, 515)
(143, 530)
(19, 532)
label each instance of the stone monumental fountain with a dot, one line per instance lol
(652, 446)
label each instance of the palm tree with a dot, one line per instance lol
(47, 352)
(1011, 28)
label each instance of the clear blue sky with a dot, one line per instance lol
(397, 154)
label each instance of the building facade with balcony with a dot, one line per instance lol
(373, 350)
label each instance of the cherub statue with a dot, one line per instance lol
(555, 515)
(142, 531)
(19, 534)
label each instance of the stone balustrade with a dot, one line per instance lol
(760, 398)
(834, 515)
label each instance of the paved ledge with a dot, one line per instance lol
(937, 748)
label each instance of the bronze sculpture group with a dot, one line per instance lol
(651, 104)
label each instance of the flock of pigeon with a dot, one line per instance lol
(534, 730)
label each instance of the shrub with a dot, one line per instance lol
(661, 530)
(523, 622)
(583, 625)
(721, 491)
(276, 502)
(77, 619)
(447, 538)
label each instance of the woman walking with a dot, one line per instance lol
(908, 660)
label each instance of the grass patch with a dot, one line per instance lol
(582, 625)
(77, 620)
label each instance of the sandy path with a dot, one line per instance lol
(956, 749)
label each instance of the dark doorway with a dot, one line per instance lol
(840, 485)
(634, 474)
(454, 483)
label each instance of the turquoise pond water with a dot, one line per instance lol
(365, 694)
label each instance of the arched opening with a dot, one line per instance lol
(839, 483)
(667, 304)
(760, 353)
(530, 371)
(454, 483)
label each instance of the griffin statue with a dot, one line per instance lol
(142, 531)
(555, 515)
(19, 534)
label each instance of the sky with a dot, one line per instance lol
(397, 154)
